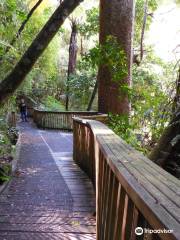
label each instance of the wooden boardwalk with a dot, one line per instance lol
(49, 198)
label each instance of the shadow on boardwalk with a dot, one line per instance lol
(49, 197)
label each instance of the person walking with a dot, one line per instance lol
(23, 110)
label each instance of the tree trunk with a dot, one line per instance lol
(116, 18)
(143, 29)
(23, 67)
(72, 58)
(22, 26)
(167, 151)
(93, 96)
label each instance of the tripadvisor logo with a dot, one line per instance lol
(139, 231)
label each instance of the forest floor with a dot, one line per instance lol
(49, 197)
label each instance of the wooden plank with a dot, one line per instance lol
(52, 219)
(147, 165)
(119, 213)
(135, 225)
(45, 236)
(112, 209)
(127, 218)
(104, 199)
(99, 192)
(149, 207)
(141, 167)
(107, 216)
(48, 227)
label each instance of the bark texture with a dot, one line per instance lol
(23, 67)
(116, 18)
(72, 57)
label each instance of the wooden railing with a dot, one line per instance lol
(60, 120)
(132, 192)
(11, 119)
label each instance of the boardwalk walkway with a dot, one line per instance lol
(49, 198)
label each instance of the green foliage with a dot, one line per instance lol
(13, 135)
(122, 126)
(8, 138)
(44, 78)
(5, 144)
(4, 171)
(51, 104)
(139, 15)
(111, 55)
(81, 85)
(152, 92)
(91, 26)
(5, 150)
(151, 103)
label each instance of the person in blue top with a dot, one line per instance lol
(23, 110)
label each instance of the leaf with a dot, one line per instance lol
(6, 44)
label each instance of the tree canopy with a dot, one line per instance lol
(35, 43)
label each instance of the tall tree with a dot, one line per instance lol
(72, 57)
(23, 67)
(116, 19)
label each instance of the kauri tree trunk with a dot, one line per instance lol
(116, 19)
(72, 58)
(23, 67)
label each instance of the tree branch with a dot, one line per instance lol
(143, 29)
(23, 67)
(22, 26)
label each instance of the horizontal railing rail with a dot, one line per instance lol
(61, 120)
(135, 198)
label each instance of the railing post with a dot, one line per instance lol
(11, 119)
(13, 115)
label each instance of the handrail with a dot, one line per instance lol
(60, 120)
(131, 190)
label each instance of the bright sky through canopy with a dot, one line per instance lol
(164, 34)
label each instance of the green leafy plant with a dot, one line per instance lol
(125, 128)
(4, 173)
(13, 135)
(51, 104)
(111, 55)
